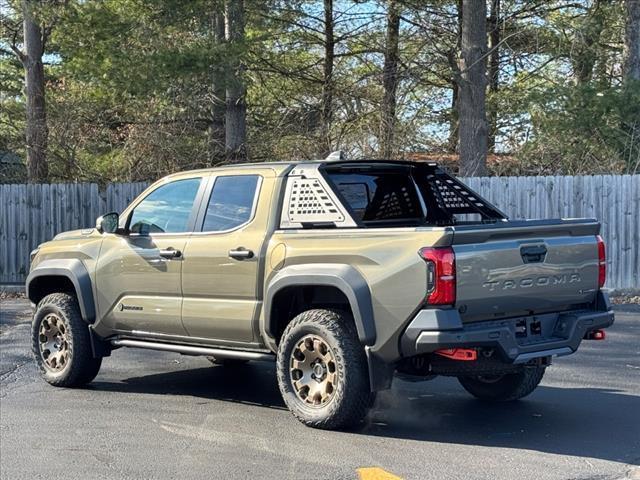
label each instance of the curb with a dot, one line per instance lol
(12, 288)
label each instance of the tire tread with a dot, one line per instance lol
(84, 367)
(512, 387)
(356, 402)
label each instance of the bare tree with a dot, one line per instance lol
(494, 71)
(218, 93)
(34, 39)
(454, 117)
(236, 107)
(471, 85)
(632, 41)
(631, 79)
(390, 81)
(454, 120)
(327, 79)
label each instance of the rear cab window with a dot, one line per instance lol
(396, 194)
(386, 196)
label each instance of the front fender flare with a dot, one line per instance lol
(76, 272)
(344, 277)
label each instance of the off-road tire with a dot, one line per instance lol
(228, 362)
(352, 397)
(81, 367)
(504, 388)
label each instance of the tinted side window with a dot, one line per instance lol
(167, 209)
(230, 203)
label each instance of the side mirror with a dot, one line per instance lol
(108, 223)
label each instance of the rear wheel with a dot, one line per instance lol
(503, 388)
(61, 344)
(322, 370)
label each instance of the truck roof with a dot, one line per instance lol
(278, 167)
(282, 167)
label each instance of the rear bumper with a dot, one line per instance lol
(518, 339)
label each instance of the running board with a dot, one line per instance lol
(192, 350)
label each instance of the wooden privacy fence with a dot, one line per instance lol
(32, 214)
(614, 200)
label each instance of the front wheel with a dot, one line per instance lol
(61, 343)
(503, 388)
(322, 370)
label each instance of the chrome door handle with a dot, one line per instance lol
(240, 253)
(170, 253)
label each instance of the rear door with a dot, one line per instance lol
(223, 257)
(138, 274)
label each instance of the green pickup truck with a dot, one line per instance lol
(345, 273)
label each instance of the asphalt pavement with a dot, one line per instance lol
(163, 415)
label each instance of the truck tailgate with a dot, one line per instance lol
(526, 267)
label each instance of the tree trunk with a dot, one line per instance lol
(631, 85)
(216, 131)
(586, 52)
(236, 108)
(454, 117)
(632, 41)
(494, 72)
(390, 82)
(327, 80)
(36, 129)
(454, 120)
(472, 84)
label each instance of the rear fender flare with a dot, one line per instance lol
(344, 277)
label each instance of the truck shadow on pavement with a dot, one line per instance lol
(584, 422)
(251, 384)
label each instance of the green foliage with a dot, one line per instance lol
(583, 130)
(11, 106)
(130, 84)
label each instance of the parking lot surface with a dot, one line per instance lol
(163, 415)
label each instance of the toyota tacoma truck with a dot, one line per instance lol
(344, 273)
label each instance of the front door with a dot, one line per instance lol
(138, 274)
(221, 261)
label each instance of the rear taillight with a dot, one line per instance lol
(441, 275)
(602, 262)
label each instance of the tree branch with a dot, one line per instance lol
(21, 56)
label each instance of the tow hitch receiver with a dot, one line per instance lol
(463, 354)
(595, 335)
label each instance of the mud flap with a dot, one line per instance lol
(380, 373)
(99, 347)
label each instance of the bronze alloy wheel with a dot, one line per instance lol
(313, 371)
(54, 342)
(61, 342)
(322, 370)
